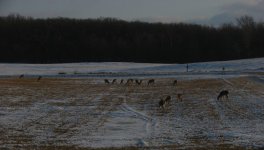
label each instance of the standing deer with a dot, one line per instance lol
(168, 99)
(222, 94)
(21, 76)
(114, 81)
(39, 78)
(139, 82)
(164, 102)
(106, 81)
(122, 81)
(129, 81)
(151, 81)
(179, 96)
(175, 82)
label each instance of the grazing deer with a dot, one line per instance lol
(164, 102)
(21, 76)
(175, 82)
(39, 78)
(139, 82)
(223, 93)
(179, 96)
(168, 99)
(151, 81)
(106, 81)
(129, 81)
(114, 81)
(122, 81)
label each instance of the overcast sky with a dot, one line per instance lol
(147, 10)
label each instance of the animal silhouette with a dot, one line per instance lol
(21, 76)
(175, 82)
(179, 96)
(39, 78)
(106, 81)
(129, 81)
(122, 81)
(151, 81)
(164, 102)
(114, 81)
(222, 94)
(139, 82)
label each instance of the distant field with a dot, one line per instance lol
(72, 113)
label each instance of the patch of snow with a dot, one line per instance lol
(126, 69)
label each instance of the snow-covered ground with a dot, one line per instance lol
(124, 69)
(85, 112)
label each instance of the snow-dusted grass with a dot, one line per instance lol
(86, 113)
(72, 108)
(128, 69)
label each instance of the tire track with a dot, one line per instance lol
(150, 122)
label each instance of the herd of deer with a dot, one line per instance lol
(22, 76)
(131, 81)
(163, 101)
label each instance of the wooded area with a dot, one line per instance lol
(60, 40)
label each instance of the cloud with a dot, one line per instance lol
(253, 8)
(229, 13)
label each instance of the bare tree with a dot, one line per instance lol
(245, 22)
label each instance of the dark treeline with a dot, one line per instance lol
(60, 40)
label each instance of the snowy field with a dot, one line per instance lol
(114, 69)
(71, 107)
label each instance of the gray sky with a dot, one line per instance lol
(203, 11)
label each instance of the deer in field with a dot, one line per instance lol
(122, 81)
(114, 81)
(21, 76)
(179, 96)
(151, 81)
(168, 99)
(139, 82)
(106, 81)
(222, 94)
(39, 78)
(164, 102)
(175, 82)
(129, 81)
